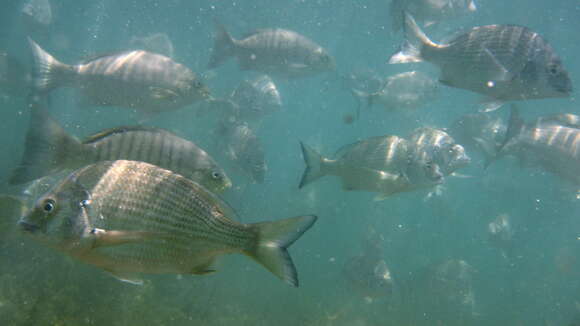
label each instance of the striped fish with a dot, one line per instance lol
(550, 142)
(129, 217)
(140, 80)
(50, 149)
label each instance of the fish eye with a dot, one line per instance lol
(49, 205)
(553, 69)
(84, 203)
(216, 175)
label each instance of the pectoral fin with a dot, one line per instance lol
(104, 238)
(159, 93)
(126, 277)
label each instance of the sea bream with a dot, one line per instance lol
(50, 149)
(243, 148)
(481, 132)
(551, 142)
(131, 218)
(274, 51)
(376, 164)
(438, 151)
(141, 80)
(250, 101)
(404, 91)
(429, 12)
(502, 62)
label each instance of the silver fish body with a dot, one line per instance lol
(480, 132)
(129, 217)
(503, 62)
(138, 79)
(243, 147)
(404, 91)
(551, 143)
(429, 12)
(377, 164)
(256, 98)
(367, 273)
(50, 149)
(274, 51)
(437, 150)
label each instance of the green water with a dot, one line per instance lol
(536, 284)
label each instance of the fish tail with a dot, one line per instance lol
(274, 238)
(48, 72)
(314, 165)
(514, 128)
(410, 52)
(48, 148)
(223, 47)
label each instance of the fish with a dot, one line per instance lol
(148, 82)
(256, 98)
(250, 102)
(500, 234)
(273, 51)
(242, 146)
(404, 91)
(551, 143)
(502, 62)
(131, 218)
(50, 149)
(376, 164)
(367, 273)
(158, 43)
(480, 132)
(439, 152)
(442, 287)
(12, 208)
(37, 14)
(429, 12)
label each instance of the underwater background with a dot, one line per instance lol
(537, 283)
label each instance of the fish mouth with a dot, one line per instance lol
(25, 226)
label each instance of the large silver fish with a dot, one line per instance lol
(50, 149)
(438, 151)
(129, 217)
(552, 143)
(404, 91)
(429, 12)
(376, 164)
(243, 147)
(274, 51)
(140, 80)
(503, 62)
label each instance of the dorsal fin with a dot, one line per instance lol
(119, 130)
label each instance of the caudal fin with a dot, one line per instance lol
(314, 165)
(49, 73)
(48, 148)
(416, 40)
(223, 46)
(514, 128)
(274, 238)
